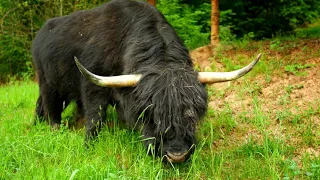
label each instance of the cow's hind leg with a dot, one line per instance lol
(39, 110)
(52, 104)
(78, 121)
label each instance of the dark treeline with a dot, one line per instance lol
(265, 18)
(20, 20)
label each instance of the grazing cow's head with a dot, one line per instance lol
(169, 102)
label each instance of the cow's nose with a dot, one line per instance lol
(176, 157)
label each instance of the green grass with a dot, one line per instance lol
(36, 152)
(233, 143)
(312, 31)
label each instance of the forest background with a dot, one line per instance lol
(264, 125)
(242, 19)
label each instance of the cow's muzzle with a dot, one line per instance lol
(179, 157)
(176, 157)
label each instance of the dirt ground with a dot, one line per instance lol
(282, 92)
(304, 91)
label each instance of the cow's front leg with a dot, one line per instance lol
(95, 120)
(95, 102)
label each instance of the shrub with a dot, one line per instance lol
(269, 18)
(191, 23)
(20, 20)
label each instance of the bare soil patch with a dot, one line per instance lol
(200, 57)
(301, 91)
(283, 94)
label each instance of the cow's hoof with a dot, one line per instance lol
(55, 126)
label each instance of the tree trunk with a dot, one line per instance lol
(215, 14)
(152, 2)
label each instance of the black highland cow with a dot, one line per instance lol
(143, 68)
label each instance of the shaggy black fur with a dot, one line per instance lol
(121, 37)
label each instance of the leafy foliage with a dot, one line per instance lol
(294, 68)
(268, 18)
(20, 19)
(192, 23)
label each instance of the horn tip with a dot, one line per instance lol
(257, 59)
(259, 55)
(76, 59)
(79, 65)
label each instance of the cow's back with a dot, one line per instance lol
(101, 38)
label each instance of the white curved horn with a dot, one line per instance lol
(215, 77)
(109, 81)
(132, 80)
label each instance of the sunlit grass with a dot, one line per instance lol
(36, 152)
(249, 142)
(312, 31)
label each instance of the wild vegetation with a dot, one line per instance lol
(21, 19)
(262, 126)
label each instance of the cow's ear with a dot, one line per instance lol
(189, 113)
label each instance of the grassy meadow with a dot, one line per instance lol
(265, 125)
